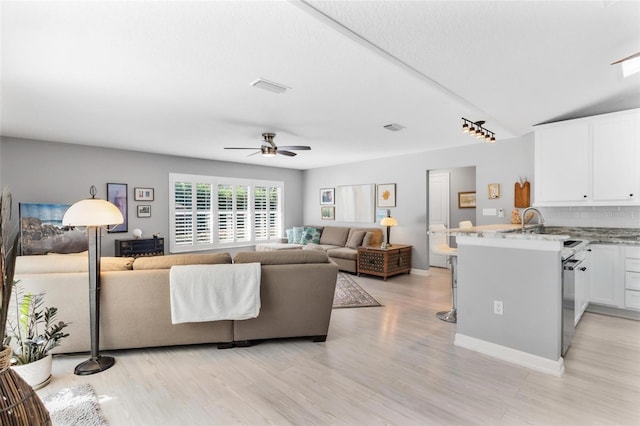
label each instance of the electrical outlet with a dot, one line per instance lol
(500, 212)
(497, 307)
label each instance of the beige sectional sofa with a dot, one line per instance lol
(341, 243)
(296, 295)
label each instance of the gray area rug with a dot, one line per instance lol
(75, 406)
(350, 295)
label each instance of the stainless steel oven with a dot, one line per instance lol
(569, 268)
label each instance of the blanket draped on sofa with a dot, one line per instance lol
(202, 293)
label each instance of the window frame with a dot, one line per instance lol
(214, 211)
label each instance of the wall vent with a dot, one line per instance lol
(270, 86)
(394, 127)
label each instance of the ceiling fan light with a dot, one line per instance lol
(465, 128)
(268, 151)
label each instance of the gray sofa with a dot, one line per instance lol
(296, 295)
(341, 244)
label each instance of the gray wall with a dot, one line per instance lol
(503, 163)
(49, 172)
(528, 284)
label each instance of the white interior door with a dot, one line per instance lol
(438, 210)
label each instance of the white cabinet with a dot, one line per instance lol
(589, 161)
(607, 275)
(582, 283)
(632, 278)
(616, 157)
(561, 163)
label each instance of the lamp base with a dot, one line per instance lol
(94, 365)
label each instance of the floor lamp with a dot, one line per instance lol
(93, 213)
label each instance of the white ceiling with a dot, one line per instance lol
(173, 77)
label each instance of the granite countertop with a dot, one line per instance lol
(626, 236)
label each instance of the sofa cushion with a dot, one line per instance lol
(297, 234)
(334, 235)
(343, 253)
(75, 262)
(289, 234)
(376, 238)
(166, 262)
(310, 235)
(355, 238)
(366, 241)
(281, 257)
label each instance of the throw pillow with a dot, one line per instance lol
(366, 241)
(297, 234)
(289, 233)
(355, 239)
(310, 236)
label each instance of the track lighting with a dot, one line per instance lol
(474, 128)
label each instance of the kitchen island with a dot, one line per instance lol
(510, 298)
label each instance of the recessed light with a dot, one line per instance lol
(270, 86)
(394, 127)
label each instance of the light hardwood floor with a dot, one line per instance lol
(387, 365)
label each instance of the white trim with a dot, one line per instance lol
(514, 356)
(421, 272)
(516, 243)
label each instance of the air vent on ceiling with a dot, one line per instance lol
(394, 127)
(270, 86)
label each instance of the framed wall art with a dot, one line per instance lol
(494, 191)
(143, 194)
(386, 195)
(328, 213)
(117, 194)
(144, 210)
(42, 232)
(466, 200)
(327, 196)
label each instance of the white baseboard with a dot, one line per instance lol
(514, 356)
(419, 271)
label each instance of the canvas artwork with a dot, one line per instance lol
(42, 232)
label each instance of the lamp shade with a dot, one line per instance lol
(92, 212)
(388, 221)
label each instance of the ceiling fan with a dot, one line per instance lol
(269, 148)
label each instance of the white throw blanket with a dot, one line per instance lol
(214, 292)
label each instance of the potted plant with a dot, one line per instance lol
(36, 331)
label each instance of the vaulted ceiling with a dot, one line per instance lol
(173, 77)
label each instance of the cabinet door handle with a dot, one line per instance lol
(630, 195)
(584, 268)
(584, 196)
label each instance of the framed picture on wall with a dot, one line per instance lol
(386, 195)
(144, 210)
(494, 191)
(466, 200)
(143, 194)
(327, 195)
(117, 194)
(328, 213)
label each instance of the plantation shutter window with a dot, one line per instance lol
(209, 212)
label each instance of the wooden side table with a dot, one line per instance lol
(393, 260)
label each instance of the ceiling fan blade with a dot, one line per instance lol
(287, 153)
(296, 147)
(635, 55)
(255, 153)
(240, 148)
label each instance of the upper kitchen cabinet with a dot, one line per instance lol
(593, 161)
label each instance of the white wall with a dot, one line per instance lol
(49, 172)
(503, 163)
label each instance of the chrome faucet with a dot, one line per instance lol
(524, 212)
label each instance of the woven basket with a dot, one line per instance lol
(5, 357)
(19, 404)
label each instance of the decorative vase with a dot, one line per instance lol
(37, 374)
(19, 405)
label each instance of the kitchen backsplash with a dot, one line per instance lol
(607, 217)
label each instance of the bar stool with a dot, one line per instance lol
(438, 245)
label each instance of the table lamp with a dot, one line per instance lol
(93, 213)
(388, 222)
